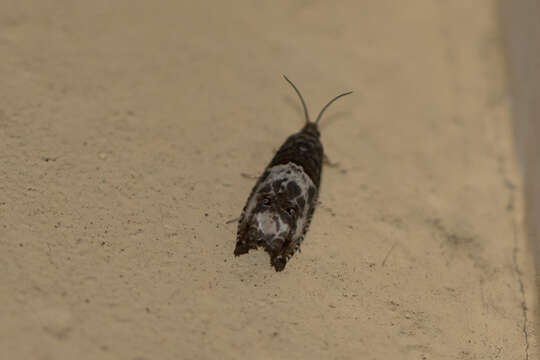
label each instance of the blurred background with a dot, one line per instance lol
(521, 29)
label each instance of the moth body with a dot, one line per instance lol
(280, 207)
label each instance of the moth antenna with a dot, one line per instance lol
(330, 103)
(300, 96)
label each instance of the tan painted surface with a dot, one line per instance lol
(125, 127)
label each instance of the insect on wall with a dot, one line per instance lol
(280, 207)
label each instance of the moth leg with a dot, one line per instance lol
(232, 220)
(248, 176)
(327, 162)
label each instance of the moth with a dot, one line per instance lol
(279, 209)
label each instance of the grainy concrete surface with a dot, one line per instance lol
(125, 127)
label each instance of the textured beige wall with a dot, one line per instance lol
(125, 127)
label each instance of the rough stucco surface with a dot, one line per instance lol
(124, 130)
